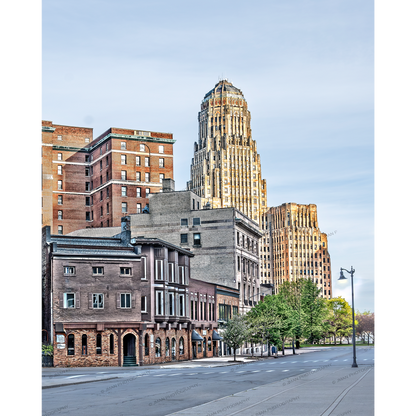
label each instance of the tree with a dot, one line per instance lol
(315, 312)
(340, 318)
(236, 332)
(365, 326)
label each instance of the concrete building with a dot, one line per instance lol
(297, 246)
(225, 242)
(90, 182)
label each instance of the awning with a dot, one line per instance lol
(216, 336)
(196, 336)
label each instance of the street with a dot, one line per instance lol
(320, 382)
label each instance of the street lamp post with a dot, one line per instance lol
(342, 277)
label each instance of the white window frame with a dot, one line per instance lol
(137, 160)
(96, 300)
(69, 270)
(59, 169)
(124, 191)
(171, 303)
(146, 161)
(181, 275)
(171, 272)
(126, 296)
(144, 259)
(99, 271)
(138, 207)
(161, 148)
(142, 148)
(126, 268)
(158, 265)
(123, 145)
(147, 176)
(59, 156)
(60, 185)
(159, 303)
(66, 300)
(123, 159)
(124, 207)
(182, 309)
(123, 175)
(161, 162)
(138, 192)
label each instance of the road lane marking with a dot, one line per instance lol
(82, 375)
(284, 371)
(269, 371)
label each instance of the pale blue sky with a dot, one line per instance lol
(305, 68)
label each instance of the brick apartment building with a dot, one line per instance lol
(90, 182)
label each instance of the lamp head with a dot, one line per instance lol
(341, 276)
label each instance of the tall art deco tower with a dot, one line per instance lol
(225, 169)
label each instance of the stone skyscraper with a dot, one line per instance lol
(225, 169)
(297, 247)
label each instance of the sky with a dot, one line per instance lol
(306, 69)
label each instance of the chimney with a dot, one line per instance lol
(168, 185)
(125, 230)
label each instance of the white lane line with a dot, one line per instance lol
(191, 374)
(269, 371)
(176, 374)
(82, 375)
(240, 371)
(346, 359)
(335, 360)
(365, 359)
(284, 371)
(256, 371)
(224, 372)
(293, 362)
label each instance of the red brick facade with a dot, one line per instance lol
(93, 183)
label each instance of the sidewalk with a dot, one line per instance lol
(326, 391)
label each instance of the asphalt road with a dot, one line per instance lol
(153, 391)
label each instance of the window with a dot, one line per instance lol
(144, 304)
(196, 221)
(171, 304)
(171, 272)
(147, 176)
(209, 343)
(161, 177)
(84, 344)
(69, 300)
(123, 145)
(123, 175)
(159, 269)
(87, 186)
(161, 163)
(98, 344)
(60, 185)
(97, 301)
(59, 170)
(71, 345)
(144, 261)
(59, 137)
(181, 275)
(235, 310)
(59, 156)
(111, 343)
(138, 192)
(159, 303)
(181, 346)
(87, 140)
(184, 238)
(98, 270)
(161, 149)
(181, 305)
(157, 347)
(60, 229)
(124, 207)
(146, 162)
(137, 160)
(60, 215)
(125, 271)
(125, 300)
(167, 347)
(124, 191)
(142, 149)
(69, 270)
(184, 222)
(138, 208)
(138, 177)
(197, 239)
(123, 159)
(87, 216)
(147, 192)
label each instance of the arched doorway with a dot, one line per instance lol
(129, 345)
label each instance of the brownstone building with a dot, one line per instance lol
(297, 246)
(107, 302)
(90, 182)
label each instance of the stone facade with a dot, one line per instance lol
(93, 183)
(225, 242)
(299, 249)
(111, 299)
